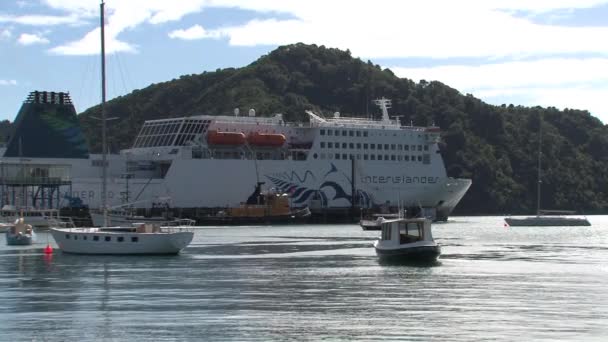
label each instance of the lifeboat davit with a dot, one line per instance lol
(225, 138)
(266, 139)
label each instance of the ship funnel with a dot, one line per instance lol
(47, 127)
(252, 112)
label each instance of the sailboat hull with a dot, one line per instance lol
(97, 241)
(546, 221)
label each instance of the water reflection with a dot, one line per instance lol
(315, 282)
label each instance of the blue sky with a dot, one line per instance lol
(541, 52)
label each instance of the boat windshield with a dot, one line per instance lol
(410, 232)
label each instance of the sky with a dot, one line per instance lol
(521, 52)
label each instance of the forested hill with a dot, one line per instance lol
(496, 146)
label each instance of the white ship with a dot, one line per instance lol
(216, 161)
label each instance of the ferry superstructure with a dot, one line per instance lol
(215, 161)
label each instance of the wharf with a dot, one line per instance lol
(208, 216)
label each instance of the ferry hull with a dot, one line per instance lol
(320, 185)
(226, 183)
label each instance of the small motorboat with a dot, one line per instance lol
(407, 239)
(146, 238)
(19, 234)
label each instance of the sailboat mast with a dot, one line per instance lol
(103, 121)
(539, 181)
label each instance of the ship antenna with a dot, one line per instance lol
(384, 105)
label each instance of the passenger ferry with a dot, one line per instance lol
(209, 161)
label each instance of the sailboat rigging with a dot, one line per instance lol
(143, 238)
(541, 218)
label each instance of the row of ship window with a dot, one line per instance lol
(398, 147)
(293, 155)
(425, 159)
(106, 238)
(345, 133)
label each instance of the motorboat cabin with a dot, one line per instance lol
(407, 239)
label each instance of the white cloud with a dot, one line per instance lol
(6, 33)
(31, 39)
(41, 20)
(8, 82)
(90, 45)
(194, 32)
(539, 6)
(436, 29)
(389, 28)
(583, 97)
(542, 72)
(482, 29)
(121, 16)
(558, 82)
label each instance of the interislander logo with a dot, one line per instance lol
(330, 188)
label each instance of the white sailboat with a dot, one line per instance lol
(144, 238)
(546, 218)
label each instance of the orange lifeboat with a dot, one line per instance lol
(266, 139)
(225, 138)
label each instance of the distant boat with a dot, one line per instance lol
(545, 218)
(39, 218)
(126, 215)
(122, 218)
(19, 234)
(262, 207)
(5, 226)
(144, 238)
(128, 218)
(409, 240)
(374, 222)
(548, 218)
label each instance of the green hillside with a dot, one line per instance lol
(496, 146)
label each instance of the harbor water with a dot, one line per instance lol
(317, 282)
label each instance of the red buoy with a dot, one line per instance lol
(48, 249)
